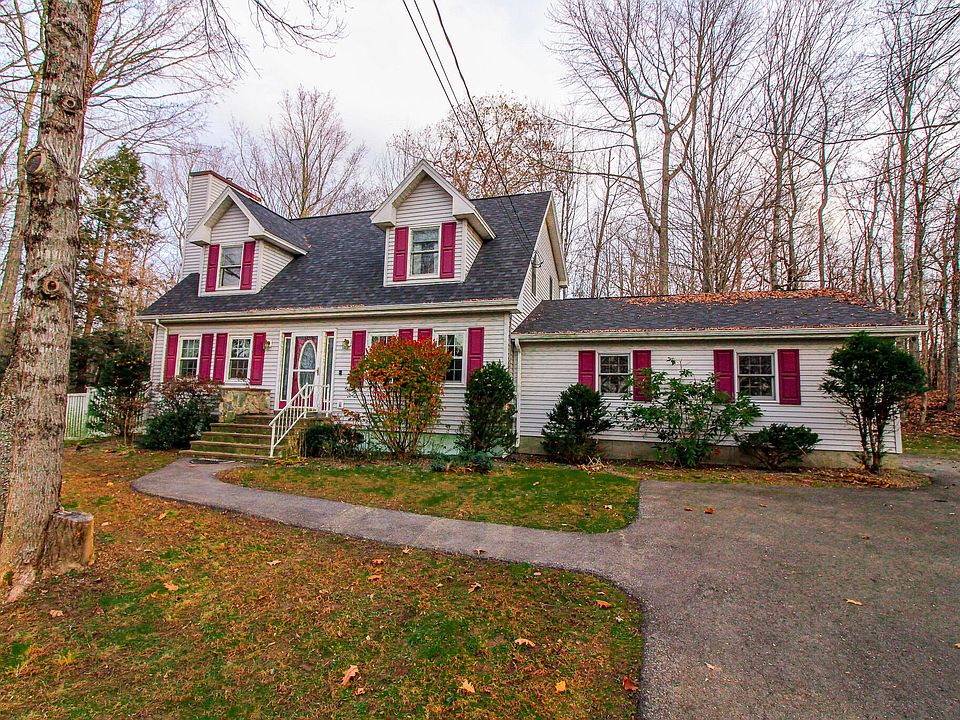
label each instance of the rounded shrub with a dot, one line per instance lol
(579, 414)
(490, 410)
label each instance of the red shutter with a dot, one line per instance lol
(206, 355)
(400, 237)
(170, 366)
(425, 334)
(641, 362)
(406, 334)
(213, 261)
(788, 372)
(220, 358)
(474, 350)
(587, 369)
(723, 371)
(358, 347)
(246, 269)
(448, 249)
(256, 359)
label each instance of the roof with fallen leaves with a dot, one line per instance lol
(708, 312)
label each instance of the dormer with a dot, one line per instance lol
(432, 233)
(243, 245)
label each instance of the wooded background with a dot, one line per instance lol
(720, 146)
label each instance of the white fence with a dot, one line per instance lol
(78, 410)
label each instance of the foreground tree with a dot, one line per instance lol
(872, 377)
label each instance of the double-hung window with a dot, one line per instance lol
(454, 345)
(231, 264)
(614, 373)
(380, 338)
(755, 374)
(189, 357)
(425, 252)
(239, 364)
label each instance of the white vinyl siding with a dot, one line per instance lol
(202, 190)
(271, 261)
(427, 205)
(548, 269)
(548, 368)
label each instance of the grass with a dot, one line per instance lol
(533, 494)
(943, 446)
(807, 477)
(199, 614)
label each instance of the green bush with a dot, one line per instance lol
(579, 414)
(872, 377)
(779, 445)
(472, 460)
(120, 397)
(490, 409)
(329, 438)
(688, 416)
(184, 408)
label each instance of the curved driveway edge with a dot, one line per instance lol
(746, 612)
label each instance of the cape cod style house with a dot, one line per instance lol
(283, 308)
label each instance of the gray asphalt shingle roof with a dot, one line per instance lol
(770, 310)
(344, 265)
(275, 224)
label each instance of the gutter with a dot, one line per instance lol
(896, 330)
(462, 307)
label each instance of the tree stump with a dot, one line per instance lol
(69, 542)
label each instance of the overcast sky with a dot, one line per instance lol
(380, 75)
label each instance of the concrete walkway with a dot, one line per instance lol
(746, 612)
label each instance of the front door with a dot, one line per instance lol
(304, 367)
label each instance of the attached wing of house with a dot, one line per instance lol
(268, 305)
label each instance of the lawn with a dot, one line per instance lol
(806, 477)
(533, 494)
(944, 446)
(200, 614)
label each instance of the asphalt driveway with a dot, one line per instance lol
(747, 609)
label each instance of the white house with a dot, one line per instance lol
(287, 306)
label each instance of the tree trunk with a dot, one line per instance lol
(69, 542)
(951, 338)
(36, 380)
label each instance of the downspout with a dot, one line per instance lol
(516, 417)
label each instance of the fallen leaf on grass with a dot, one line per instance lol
(378, 561)
(171, 587)
(350, 674)
(608, 507)
(630, 685)
(525, 642)
(467, 687)
(710, 667)
(763, 504)
(561, 686)
(162, 515)
(864, 537)
(854, 602)
(688, 509)
(376, 576)
(708, 511)
(360, 691)
(473, 588)
(273, 562)
(56, 613)
(479, 551)
(603, 603)
(405, 551)
(957, 645)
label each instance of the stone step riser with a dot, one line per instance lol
(224, 456)
(237, 438)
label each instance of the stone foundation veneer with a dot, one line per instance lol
(243, 401)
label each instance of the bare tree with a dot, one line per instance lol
(305, 163)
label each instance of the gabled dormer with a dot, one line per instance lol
(432, 233)
(243, 244)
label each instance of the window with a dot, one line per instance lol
(453, 342)
(379, 338)
(755, 375)
(425, 251)
(614, 374)
(189, 356)
(231, 262)
(239, 366)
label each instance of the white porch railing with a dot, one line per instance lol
(78, 409)
(294, 411)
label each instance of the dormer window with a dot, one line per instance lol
(425, 252)
(231, 264)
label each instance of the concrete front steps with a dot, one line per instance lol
(246, 438)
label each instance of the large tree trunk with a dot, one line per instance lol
(952, 337)
(36, 380)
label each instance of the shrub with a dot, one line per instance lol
(579, 414)
(329, 438)
(472, 460)
(872, 377)
(490, 409)
(399, 384)
(688, 416)
(120, 397)
(184, 408)
(779, 445)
